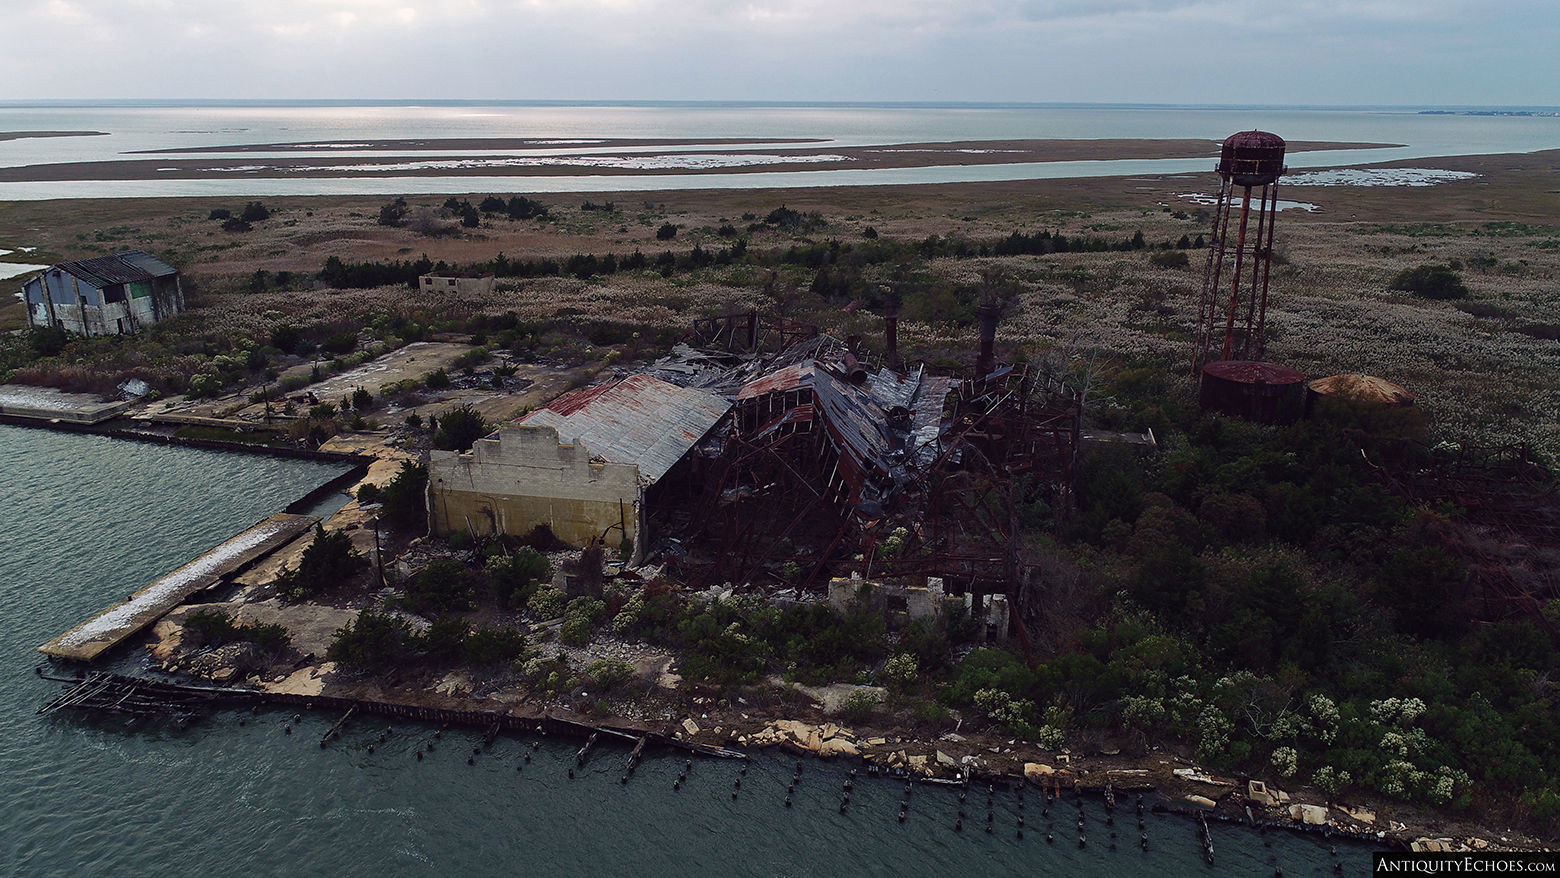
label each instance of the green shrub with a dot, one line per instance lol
(546, 604)
(405, 506)
(214, 628)
(609, 672)
(329, 559)
(443, 586)
(1169, 259)
(459, 428)
(860, 705)
(445, 639)
(1430, 282)
(486, 646)
(372, 640)
(575, 631)
(514, 580)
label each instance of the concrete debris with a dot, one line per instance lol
(1193, 774)
(1311, 815)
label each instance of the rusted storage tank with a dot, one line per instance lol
(1355, 387)
(1263, 393)
(1252, 158)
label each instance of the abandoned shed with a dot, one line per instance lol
(581, 465)
(106, 295)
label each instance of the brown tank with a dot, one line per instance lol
(1360, 388)
(1263, 393)
(1252, 158)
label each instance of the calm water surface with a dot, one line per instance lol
(88, 519)
(167, 127)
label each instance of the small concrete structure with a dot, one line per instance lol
(108, 295)
(463, 284)
(903, 604)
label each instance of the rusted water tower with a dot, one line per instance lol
(1248, 160)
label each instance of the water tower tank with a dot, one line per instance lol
(1263, 393)
(1252, 158)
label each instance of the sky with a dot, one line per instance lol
(1305, 52)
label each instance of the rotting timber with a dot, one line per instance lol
(141, 698)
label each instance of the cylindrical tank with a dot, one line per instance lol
(1362, 388)
(1356, 388)
(1252, 158)
(1263, 393)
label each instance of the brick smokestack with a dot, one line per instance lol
(987, 363)
(891, 339)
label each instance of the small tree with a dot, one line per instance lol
(459, 428)
(1430, 282)
(255, 212)
(394, 213)
(402, 496)
(372, 641)
(328, 560)
(443, 586)
(666, 232)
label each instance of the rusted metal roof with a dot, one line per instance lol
(1363, 388)
(640, 420)
(1249, 372)
(123, 268)
(793, 377)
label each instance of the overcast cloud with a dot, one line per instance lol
(1420, 52)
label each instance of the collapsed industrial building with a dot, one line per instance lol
(789, 469)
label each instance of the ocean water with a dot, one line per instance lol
(88, 519)
(132, 128)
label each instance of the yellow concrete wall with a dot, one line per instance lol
(525, 477)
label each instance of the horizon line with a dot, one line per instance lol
(29, 103)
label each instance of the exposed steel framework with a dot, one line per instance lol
(782, 488)
(1248, 160)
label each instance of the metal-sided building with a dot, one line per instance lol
(107, 295)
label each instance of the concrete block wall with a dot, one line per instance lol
(526, 476)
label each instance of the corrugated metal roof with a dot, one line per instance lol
(640, 420)
(791, 377)
(148, 263)
(122, 268)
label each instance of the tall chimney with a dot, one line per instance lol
(891, 340)
(987, 363)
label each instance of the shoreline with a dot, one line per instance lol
(731, 731)
(340, 164)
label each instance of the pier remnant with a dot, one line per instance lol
(114, 624)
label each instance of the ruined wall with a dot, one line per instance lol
(526, 476)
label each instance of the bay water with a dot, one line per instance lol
(129, 128)
(87, 519)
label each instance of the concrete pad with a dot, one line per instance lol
(306, 681)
